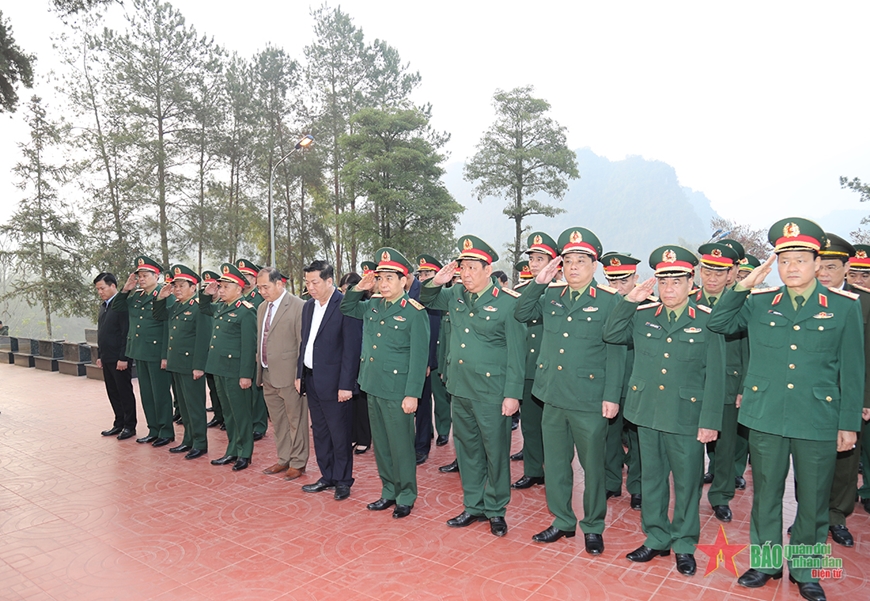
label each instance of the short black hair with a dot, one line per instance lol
(481, 261)
(323, 267)
(349, 279)
(273, 273)
(500, 276)
(108, 278)
(843, 260)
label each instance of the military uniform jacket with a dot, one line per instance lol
(864, 297)
(806, 368)
(189, 332)
(147, 337)
(486, 358)
(254, 297)
(576, 368)
(534, 335)
(736, 357)
(395, 344)
(677, 382)
(443, 343)
(232, 351)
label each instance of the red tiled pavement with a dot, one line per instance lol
(85, 518)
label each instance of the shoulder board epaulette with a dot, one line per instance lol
(705, 308)
(845, 293)
(699, 295)
(248, 305)
(416, 304)
(648, 306)
(377, 295)
(512, 293)
(607, 289)
(521, 284)
(557, 284)
(764, 290)
(652, 298)
(861, 288)
(194, 300)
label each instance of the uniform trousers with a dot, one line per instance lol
(331, 424)
(565, 430)
(236, 403)
(423, 419)
(119, 389)
(813, 469)
(154, 386)
(530, 426)
(361, 429)
(190, 395)
(864, 491)
(289, 412)
(621, 448)
(259, 412)
(481, 435)
(663, 453)
(393, 438)
(214, 398)
(722, 489)
(844, 484)
(441, 400)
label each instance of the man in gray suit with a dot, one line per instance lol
(279, 333)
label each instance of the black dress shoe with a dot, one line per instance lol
(225, 460)
(498, 526)
(612, 493)
(788, 530)
(194, 453)
(552, 534)
(126, 433)
(182, 448)
(842, 536)
(441, 440)
(115, 430)
(527, 482)
(210, 409)
(636, 502)
(402, 511)
(644, 554)
(464, 519)
(594, 544)
(449, 468)
(318, 486)
(722, 513)
(214, 422)
(360, 449)
(811, 591)
(685, 563)
(342, 491)
(162, 442)
(515, 425)
(241, 463)
(708, 477)
(421, 458)
(752, 578)
(258, 436)
(381, 504)
(740, 483)
(518, 456)
(146, 439)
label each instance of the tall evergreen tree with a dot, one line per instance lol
(16, 67)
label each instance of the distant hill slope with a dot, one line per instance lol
(633, 205)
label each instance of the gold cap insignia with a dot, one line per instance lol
(467, 244)
(860, 254)
(576, 237)
(669, 256)
(177, 270)
(791, 230)
(422, 261)
(385, 256)
(827, 244)
(526, 269)
(538, 240)
(615, 262)
(141, 261)
(744, 261)
(716, 252)
(226, 269)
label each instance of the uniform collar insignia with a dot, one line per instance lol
(692, 312)
(592, 291)
(776, 299)
(659, 310)
(495, 291)
(404, 302)
(823, 300)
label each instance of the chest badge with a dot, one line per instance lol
(590, 309)
(823, 315)
(398, 318)
(692, 330)
(490, 308)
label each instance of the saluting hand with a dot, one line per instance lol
(165, 291)
(211, 289)
(757, 275)
(546, 275)
(445, 274)
(641, 291)
(130, 283)
(367, 282)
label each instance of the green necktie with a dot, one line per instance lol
(387, 304)
(474, 297)
(799, 301)
(575, 295)
(712, 301)
(672, 317)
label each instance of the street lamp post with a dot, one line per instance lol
(303, 143)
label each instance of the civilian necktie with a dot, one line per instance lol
(266, 325)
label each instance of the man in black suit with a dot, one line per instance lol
(327, 373)
(111, 347)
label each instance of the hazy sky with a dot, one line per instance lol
(760, 105)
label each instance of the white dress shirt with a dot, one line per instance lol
(275, 305)
(316, 319)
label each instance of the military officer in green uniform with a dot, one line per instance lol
(427, 267)
(541, 250)
(579, 379)
(395, 353)
(485, 370)
(675, 397)
(719, 264)
(803, 390)
(146, 344)
(835, 257)
(859, 277)
(217, 419)
(232, 360)
(186, 355)
(620, 269)
(259, 412)
(747, 265)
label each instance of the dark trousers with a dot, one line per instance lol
(214, 398)
(423, 420)
(119, 388)
(331, 424)
(361, 430)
